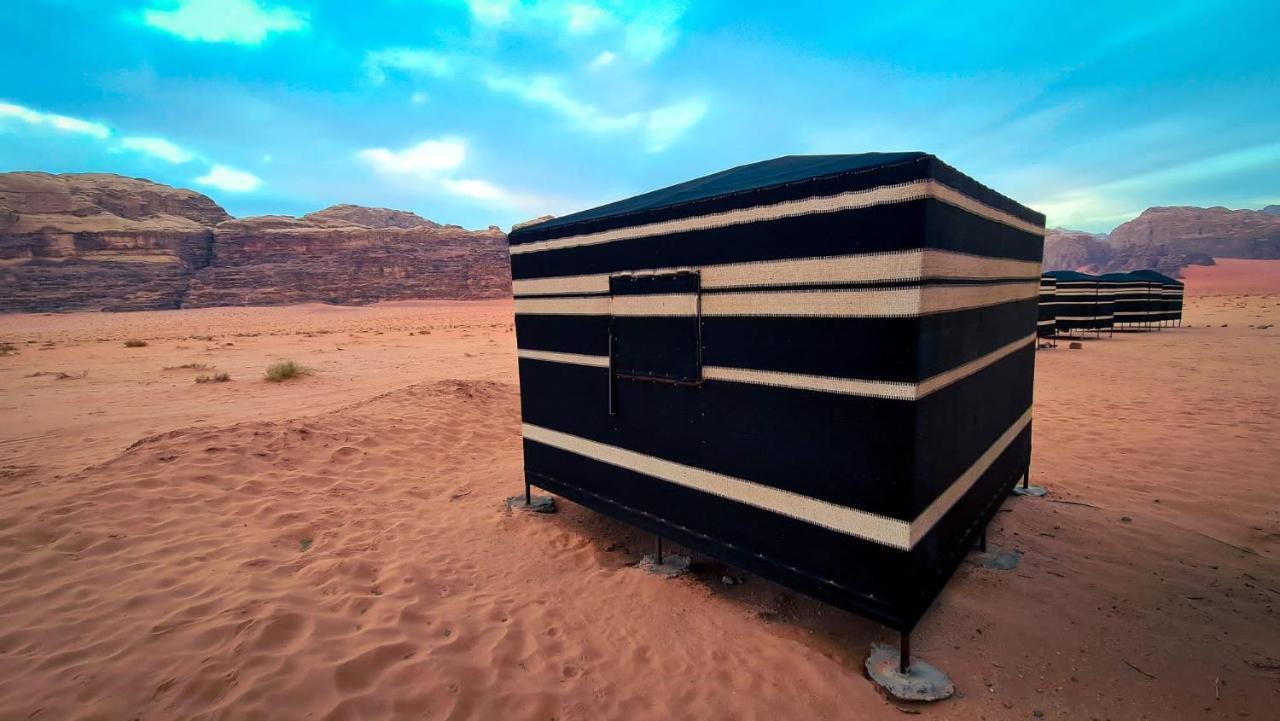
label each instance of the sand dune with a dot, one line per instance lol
(337, 546)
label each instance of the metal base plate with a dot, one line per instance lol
(921, 682)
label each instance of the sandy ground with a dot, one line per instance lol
(336, 546)
(1231, 276)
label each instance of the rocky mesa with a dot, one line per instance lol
(105, 242)
(1168, 239)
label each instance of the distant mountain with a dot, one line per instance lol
(1168, 239)
(105, 242)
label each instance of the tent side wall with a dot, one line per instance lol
(1046, 321)
(1076, 302)
(789, 408)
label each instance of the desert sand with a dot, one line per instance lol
(336, 546)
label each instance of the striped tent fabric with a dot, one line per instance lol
(1138, 301)
(815, 368)
(1104, 313)
(1048, 318)
(1169, 291)
(1077, 297)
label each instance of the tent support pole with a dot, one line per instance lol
(528, 494)
(658, 555)
(982, 540)
(1026, 479)
(904, 652)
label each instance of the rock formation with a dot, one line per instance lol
(329, 257)
(1168, 240)
(90, 241)
(105, 242)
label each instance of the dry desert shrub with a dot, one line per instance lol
(60, 375)
(8, 349)
(190, 367)
(134, 343)
(284, 370)
(215, 378)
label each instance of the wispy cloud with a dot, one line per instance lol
(411, 61)
(230, 179)
(244, 22)
(604, 59)
(491, 12)
(426, 159)
(666, 125)
(63, 123)
(661, 127)
(432, 163)
(157, 148)
(645, 30)
(1113, 202)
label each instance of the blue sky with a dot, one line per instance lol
(481, 112)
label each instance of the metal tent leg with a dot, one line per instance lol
(658, 555)
(1026, 478)
(982, 540)
(904, 652)
(528, 494)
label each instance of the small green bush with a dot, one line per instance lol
(284, 370)
(134, 343)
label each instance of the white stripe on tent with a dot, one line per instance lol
(884, 195)
(943, 503)
(851, 303)
(895, 390)
(906, 265)
(842, 519)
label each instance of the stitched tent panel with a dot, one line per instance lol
(1048, 308)
(815, 368)
(1171, 295)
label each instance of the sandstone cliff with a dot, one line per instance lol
(328, 257)
(99, 241)
(105, 242)
(1168, 239)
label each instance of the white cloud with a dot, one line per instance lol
(413, 61)
(585, 18)
(244, 22)
(547, 91)
(653, 32)
(491, 12)
(63, 123)
(426, 159)
(665, 125)
(157, 148)
(418, 98)
(604, 59)
(230, 179)
(430, 164)
(471, 188)
(661, 127)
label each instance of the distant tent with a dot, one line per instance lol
(1171, 291)
(1080, 302)
(1046, 324)
(1139, 301)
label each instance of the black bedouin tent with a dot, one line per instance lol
(1171, 291)
(1046, 324)
(815, 368)
(1082, 302)
(1138, 301)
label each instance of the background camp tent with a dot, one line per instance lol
(816, 368)
(1080, 304)
(1171, 291)
(1138, 301)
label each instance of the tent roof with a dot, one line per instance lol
(1070, 275)
(769, 181)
